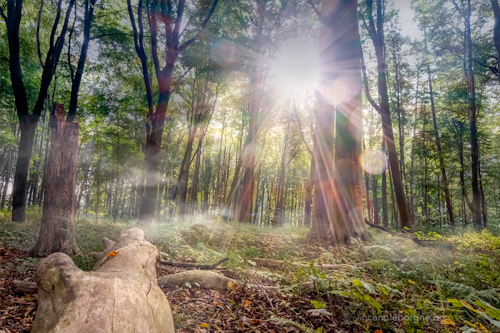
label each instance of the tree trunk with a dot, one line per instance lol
(449, 206)
(58, 216)
(339, 196)
(496, 32)
(376, 218)
(476, 193)
(19, 190)
(309, 195)
(379, 44)
(121, 293)
(8, 170)
(385, 206)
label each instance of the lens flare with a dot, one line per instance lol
(373, 161)
(296, 69)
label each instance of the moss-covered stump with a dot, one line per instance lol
(119, 295)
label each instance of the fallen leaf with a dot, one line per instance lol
(379, 331)
(447, 321)
(247, 303)
(412, 282)
(112, 254)
(254, 321)
(204, 325)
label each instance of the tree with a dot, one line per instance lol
(376, 32)
(449, 206)
(58, 217)
(338, 192)
(28, 121)
(163, 12)
(496, 31)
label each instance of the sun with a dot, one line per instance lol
(296, 70)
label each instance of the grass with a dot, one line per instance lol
(454, 284)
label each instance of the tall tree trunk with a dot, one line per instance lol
(19, 190)
(339, 197)
(377, 35)
(449, 206)
(476, 193)
(8, 171)
(385, 208)
(367, 187)
(58, 217)
(496, 32)
(308, 197)
(376, 217)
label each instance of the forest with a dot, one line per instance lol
(249, 166)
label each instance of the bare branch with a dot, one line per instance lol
(202, 28)
(367, 87)
(38, 33)
(300, 129)
(69, 49)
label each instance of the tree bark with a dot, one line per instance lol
(121, 293)
(377, 36)
(476, 193)
(496, 31)
(444, 178)
(338, 194)
(58, 216)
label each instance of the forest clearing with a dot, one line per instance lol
(249, 166)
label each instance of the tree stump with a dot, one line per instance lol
(119, 295)
(58, 216)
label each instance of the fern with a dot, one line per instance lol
(468, 293)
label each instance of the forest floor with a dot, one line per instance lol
(448, 283)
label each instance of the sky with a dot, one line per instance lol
(408, 25)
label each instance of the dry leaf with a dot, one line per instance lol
(247, 303)
(447, 321)
(204, 325)
(112, 254)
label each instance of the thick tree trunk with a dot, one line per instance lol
(121, 293)
(245, 200)
(338, 194)
(19, 190)
(58, 216)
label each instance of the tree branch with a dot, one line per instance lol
(38, 33)
(367, 87)
(202, 28)
(300, 129)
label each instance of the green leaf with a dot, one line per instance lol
(489, 309)
(188, 285)
(455, 302)
(373, 302)
(318, 305)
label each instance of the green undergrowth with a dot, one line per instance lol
(391, 283)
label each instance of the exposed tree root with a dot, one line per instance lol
(421, 242)
(194, 265)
